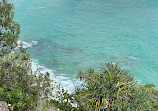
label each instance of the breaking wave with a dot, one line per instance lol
(66, 82)
(28, 44)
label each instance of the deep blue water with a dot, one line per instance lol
(77, 34)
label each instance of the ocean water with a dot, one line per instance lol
(68, 35)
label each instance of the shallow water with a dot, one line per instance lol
(77, 34)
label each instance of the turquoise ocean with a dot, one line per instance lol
(67, 35)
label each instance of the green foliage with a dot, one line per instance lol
(15, 98)
(109, 89)
(16, 74)
(103, 88)
(9, 30)
(63, 100)
(113, 89)
(65, 106)
(20, 86)
(143, 98)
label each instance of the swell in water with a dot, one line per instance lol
(77, 34)
(66, 82)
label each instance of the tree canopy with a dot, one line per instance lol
(9, 29)
(113, 89)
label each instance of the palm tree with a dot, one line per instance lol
(103, 88)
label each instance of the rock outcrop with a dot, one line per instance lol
(3, 106)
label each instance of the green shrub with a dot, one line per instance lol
(113, 89)
(9, 29)
(15, 98)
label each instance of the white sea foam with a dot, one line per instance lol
(41, 7)
(27, 44)
(66, 82)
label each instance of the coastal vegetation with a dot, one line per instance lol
(113, 89)
(107, 89)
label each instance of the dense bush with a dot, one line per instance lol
(16, 74)
(14, 98)
(112, 89)
(9, 30)
(20, 86)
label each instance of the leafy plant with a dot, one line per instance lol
(9, 29)
(113, 89)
